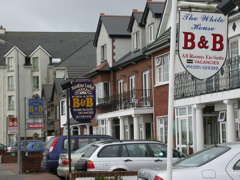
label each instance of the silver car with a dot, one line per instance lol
(220, 162)
(125, 156)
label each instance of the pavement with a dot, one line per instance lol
(8, 171)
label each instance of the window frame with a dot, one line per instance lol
(10, 64)
(11, 102)
(232, 50)
(162, 69)
(151, 32)
(35, 64)
(136, 40)
(10, 81)
(103, 52)
(63, 104)
(36, 85)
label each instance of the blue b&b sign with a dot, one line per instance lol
(83, 101)
(36, 109)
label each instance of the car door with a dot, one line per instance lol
(159, 154)
(135, 156)
(233, 168)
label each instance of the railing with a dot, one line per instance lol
(130, 99)
(226, 79)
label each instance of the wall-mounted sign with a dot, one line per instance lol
(12, 126)
(35, 125)
(202, 42)
(82, 101)
(36, 108)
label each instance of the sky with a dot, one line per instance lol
(61, 15)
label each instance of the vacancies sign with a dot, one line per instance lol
(202, 42)
(82, 101)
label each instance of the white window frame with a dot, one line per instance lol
(151, 32)
(35, 64)
(36, 85)
(63, 107)
(136, 40)
(234, 51)
(103, 52)
(11, 103)
(162, 123)
(10, 64)
(10, 83)
(100, 91)
(222, 116)
(162, 69)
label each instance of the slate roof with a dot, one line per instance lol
(157, 8)
(116, 26)
(135, 16)
(57, 44)
(57, 86)
(103, 67)
(47, 90)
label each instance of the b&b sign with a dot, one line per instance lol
(202, 42)
(83, 101)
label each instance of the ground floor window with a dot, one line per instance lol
(162, 128)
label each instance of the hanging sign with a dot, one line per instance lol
(36, 109)
(83, 101)
(12, 126)
(202, 42)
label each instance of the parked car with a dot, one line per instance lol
(3, 147)
(36, 146)
(59, 144)
(63, 167)
(219, 162)
(125, 156)
(23, 145)
(48, 138)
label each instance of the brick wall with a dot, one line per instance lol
(32, 164)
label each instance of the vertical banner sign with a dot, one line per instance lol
(12, 126)
(36, 112)
(83, 101)
(202, 42)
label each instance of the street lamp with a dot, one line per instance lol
(18, 111)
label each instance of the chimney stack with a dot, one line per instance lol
(2, 30)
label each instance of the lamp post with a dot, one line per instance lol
(18, 111)
(65, 86)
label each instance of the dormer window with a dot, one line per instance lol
(136, 40)
(151, 32)
(35, 66)
(10, 64)
(104, 52)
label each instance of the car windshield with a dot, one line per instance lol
(202, 157)
(83, 149)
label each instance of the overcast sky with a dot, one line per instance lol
(61, 15)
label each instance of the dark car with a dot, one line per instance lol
(14, 147)
(58, 145)
(3, 147)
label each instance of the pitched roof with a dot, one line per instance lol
(47, 91)
(103, 67)
(157, 8)
(57, 86)
(116, 26)
(57, 44)
(136, 15)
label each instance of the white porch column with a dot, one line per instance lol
(71, 130)
(109, 127)
(194, 130)
(88, 129)
(121, 124)
(79, 130)
(143, 130)
(135, 126)
(230, 124)
(199, 126)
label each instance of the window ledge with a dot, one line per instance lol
(161, 84)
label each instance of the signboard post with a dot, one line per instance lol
(202, 42)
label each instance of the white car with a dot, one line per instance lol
(220, 162)
(125, 156)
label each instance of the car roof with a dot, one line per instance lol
(103, 143)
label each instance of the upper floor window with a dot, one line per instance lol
(10, 64)
(162, 69)
(10, 102)
(63, 107)
(136, 40)
(234, 48)
(35, 65)
(102, 90)
(151, 32)
(10, 83)
(104, 52)
(35, 82)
